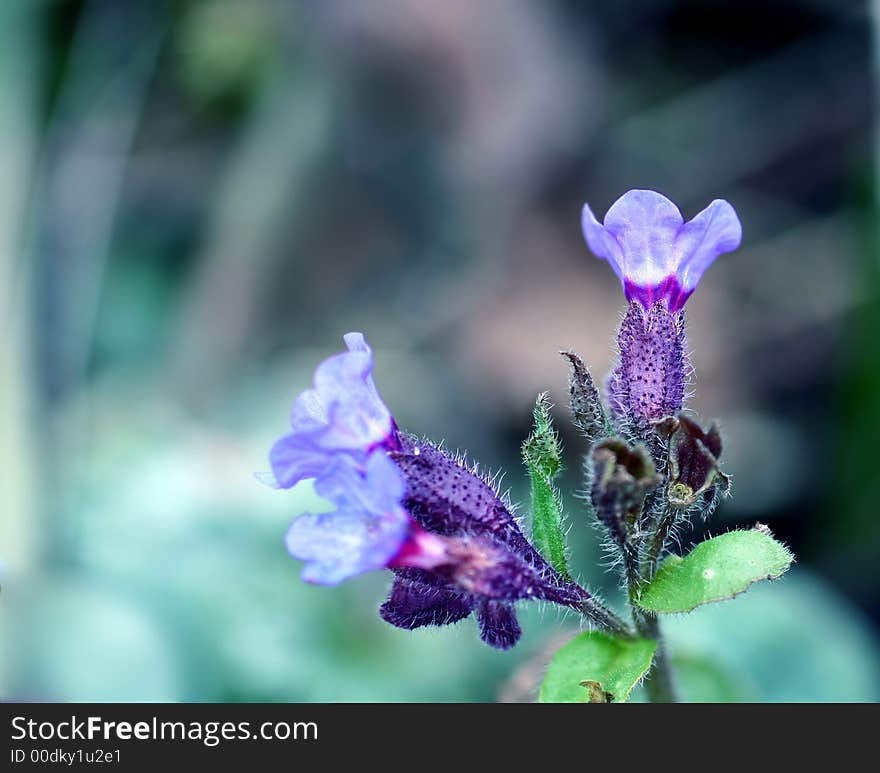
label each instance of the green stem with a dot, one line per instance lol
(632, 570)
(660, 683)
(599, 614)
(658, 541)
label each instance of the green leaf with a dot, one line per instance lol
(542, 454)
(542, 448)
(774, 640)
(593, 663)
(717, 569)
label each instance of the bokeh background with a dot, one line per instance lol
(198, 198)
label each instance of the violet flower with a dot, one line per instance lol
(659, 259)
(655, 253)
(341, 432)
(408, 506)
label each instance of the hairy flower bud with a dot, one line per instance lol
(622, 478)
(487, 562)
(406, 505)
(693, 463)
(586, 403)
(476, 575)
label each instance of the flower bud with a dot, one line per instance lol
(622, 477)
(585, 401)
(693, 463)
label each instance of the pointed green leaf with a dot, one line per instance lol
(542, 454)
(595, 663)
(542, 448)
(717, 569)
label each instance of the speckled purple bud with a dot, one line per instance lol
(492, 570)
(447, 497)
(489, 564)
(652, 374)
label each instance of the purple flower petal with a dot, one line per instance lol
(309, 412)
(644, 224)
(342, 413)
(294, 458)
(364, 533)
(377, 487)
(712, 232)
(601, 242)
(355, 414)
(656, 255)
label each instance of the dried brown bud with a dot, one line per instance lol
(622, 477)
(693, 462)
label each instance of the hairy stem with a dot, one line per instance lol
(632, 569)
(658, 540)
(660, 683)
(599, 614)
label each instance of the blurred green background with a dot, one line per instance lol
(199, 198)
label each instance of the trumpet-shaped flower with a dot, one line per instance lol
(408, 506)
(655, 253)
